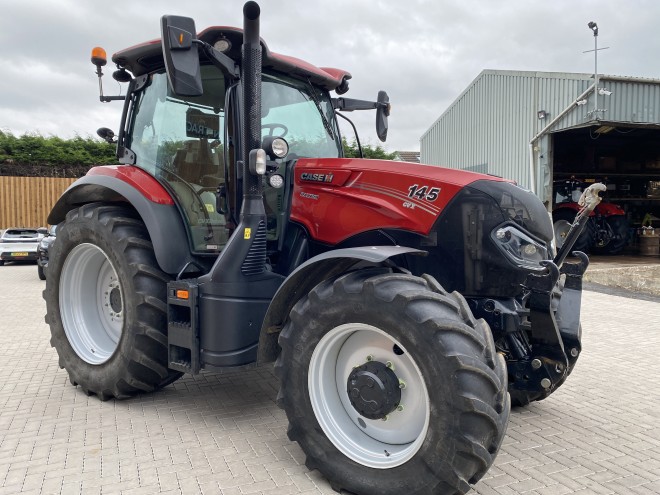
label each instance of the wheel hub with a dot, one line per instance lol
(373, 390)
(115, 300)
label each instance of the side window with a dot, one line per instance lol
(181, 142)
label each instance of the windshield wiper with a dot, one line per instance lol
(315, 99)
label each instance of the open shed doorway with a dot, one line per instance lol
(626, 158)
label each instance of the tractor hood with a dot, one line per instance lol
(336, 198)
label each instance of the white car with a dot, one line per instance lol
(18, 244)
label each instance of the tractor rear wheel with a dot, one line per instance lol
(391, 386)
(106, 303)
(618, 225)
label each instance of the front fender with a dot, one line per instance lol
(130, 185)
(309, 275)
(609, 209)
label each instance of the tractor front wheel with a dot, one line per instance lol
(391, 386)
(106, 303)
(562, 221)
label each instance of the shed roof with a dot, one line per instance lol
(567, 76)
(407, 156)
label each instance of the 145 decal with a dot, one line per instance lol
(423, 192)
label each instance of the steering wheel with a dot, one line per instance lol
(275, 125)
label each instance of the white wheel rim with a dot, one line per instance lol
(561, 231)
(374, 443)
(91, 304)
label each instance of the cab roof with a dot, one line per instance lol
(148, 57)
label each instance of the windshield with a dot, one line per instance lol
(301, 114)
(180, 140)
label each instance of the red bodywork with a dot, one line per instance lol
(603, 209)
(337, 198)
(147, 57)
(139, 179)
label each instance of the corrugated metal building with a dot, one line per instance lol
(540, 127)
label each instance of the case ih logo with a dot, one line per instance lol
(316, 177)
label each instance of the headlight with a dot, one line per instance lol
(275, 147)
(520, 248)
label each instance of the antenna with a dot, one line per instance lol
(594, 27)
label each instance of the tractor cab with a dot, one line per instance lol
(191, 143)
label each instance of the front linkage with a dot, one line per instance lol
(554, 332)
(540, 333)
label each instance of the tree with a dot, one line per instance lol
(351, 150)
(34, 155)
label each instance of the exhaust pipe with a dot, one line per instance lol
(251, 83)
(244, 256)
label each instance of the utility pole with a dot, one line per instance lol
(594, 27)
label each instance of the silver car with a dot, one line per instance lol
(19, 244)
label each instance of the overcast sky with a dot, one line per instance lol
(423, 53)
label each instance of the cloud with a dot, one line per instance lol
(424, 53)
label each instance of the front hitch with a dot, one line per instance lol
(554, 327)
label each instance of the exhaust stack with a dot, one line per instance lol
(244, 257)
(251, 84)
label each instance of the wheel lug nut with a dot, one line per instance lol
(536, 363)
(389, 365)
(574, 352)
(402, 384)
(370, 357)
(545, 383)
(399, 407)
(385, 418)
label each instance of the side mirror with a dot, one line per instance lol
(382, 112)
(180, 55)
(106, 134)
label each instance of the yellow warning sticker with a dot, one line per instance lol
(209, 208)
(247, 233)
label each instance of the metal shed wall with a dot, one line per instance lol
(489, 126)
(635, 101)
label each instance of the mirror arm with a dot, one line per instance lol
(106, 99)
(349, 104)
(220, 60)
(102, 97)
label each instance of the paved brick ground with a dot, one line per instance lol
(223, 434)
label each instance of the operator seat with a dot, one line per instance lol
(197, 163)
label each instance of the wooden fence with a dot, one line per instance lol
(26, 201)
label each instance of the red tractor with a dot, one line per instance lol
(607, 229)
(405, 306)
